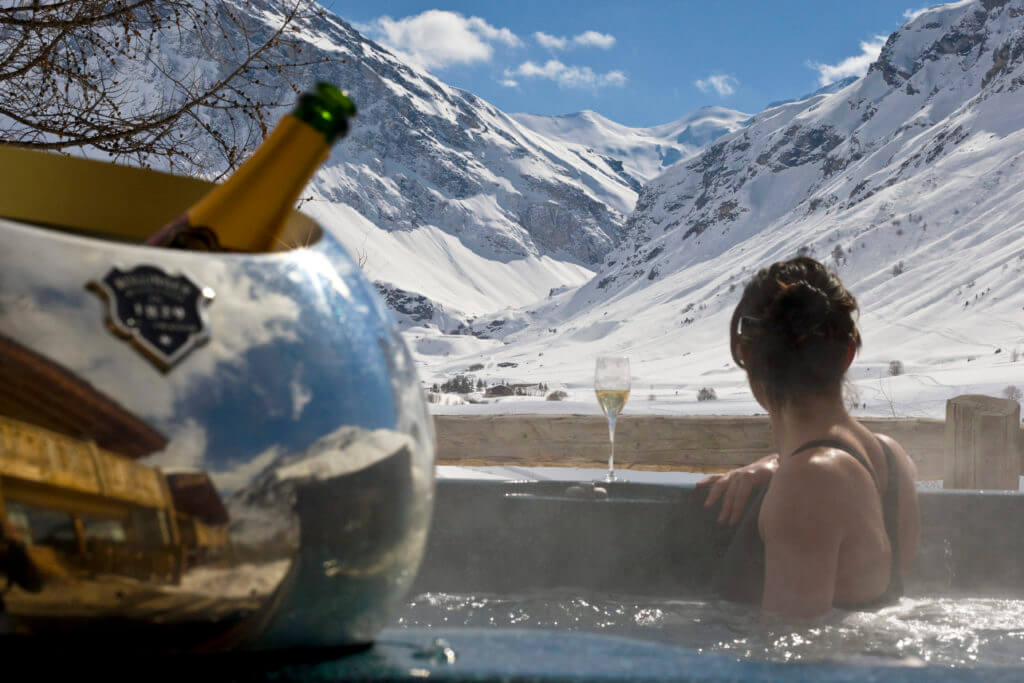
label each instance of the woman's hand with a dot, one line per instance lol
(734, 487)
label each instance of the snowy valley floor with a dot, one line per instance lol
(922, 393)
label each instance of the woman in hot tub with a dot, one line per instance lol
(833, 520)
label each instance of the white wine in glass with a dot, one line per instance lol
(612, 384)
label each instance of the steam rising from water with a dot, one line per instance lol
(946, 631)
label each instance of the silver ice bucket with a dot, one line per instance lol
(198, 451)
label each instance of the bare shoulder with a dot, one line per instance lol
(815, 480)
(815, 466)
(906, 461)
(824, 466)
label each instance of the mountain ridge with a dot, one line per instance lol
(641, 153)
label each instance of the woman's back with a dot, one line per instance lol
(837, 493)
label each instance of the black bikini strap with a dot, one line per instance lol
(890, 513)
(833, 443)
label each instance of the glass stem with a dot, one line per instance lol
(611, 454)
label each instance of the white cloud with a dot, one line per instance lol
(186, 449)
(438, 38)
(614, 77)
(510, 83)
(604, 41)
(912, 14)
(569, 76)
(241, 475)
(722, 84)
(301, 395)
(851, 66)
(549, 41)
(595, 39)
(501, 35)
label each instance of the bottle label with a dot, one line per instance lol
(162, 314)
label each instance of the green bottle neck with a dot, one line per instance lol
(327, 110)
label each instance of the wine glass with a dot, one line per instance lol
(611, 384)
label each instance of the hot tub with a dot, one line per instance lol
(508, 558)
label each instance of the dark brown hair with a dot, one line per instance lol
(795, 324)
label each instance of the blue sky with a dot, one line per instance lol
(640, 63)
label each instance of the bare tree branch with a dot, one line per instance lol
(132, 78)
(77, 21)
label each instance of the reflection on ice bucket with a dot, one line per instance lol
(266, 483)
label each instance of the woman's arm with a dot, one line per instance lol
(736, 486)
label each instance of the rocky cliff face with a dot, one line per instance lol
(424, 153)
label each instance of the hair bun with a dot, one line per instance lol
(800, 311)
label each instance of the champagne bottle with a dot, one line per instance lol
(247, 212)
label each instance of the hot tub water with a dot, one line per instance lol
(919, 630)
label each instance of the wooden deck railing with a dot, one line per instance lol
(981, 441)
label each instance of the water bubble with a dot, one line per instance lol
(649, 617)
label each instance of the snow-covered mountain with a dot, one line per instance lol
(909, 181)
(424, 153)
(443, 196)
(824, 90)
(884, 160)
(641, 154)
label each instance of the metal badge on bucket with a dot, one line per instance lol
(162, 314)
